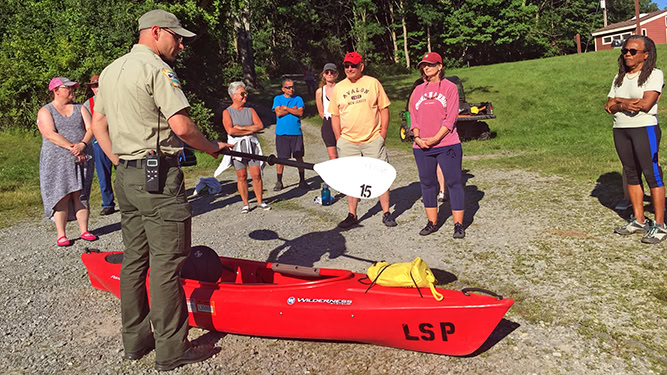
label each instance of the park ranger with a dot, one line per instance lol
(140, 104)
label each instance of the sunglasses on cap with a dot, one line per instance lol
(348, 66)
(289, 87)
(332, 72)
(632, 51)
(177, 38)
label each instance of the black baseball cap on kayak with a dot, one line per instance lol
(203, 264)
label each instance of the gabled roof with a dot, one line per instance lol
(629, 24)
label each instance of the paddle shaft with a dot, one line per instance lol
(271, 159)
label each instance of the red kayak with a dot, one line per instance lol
(276, 300)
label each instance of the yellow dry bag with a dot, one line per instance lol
(415, 274)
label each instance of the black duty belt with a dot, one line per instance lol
(169, 161)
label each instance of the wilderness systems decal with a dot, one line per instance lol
(345, 302)
(428, 332)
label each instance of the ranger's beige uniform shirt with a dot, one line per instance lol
(131, 90)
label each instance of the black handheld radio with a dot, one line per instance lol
(152, 167)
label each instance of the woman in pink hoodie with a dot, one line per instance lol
(434, 107)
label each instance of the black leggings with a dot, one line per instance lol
(449, 158)
(638, 150)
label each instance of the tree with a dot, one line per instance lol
(241, 21)
(558, 21)
(427, 13)
(623, 10)
(489, 31)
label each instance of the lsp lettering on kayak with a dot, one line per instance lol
(446, 328)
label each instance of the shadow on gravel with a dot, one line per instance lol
(305, 250)
(609, 192)
(443, 277)
(402, 199)
(204, 203)
(472, 198)
(291, 189)
(210, 337)
(503, 329)
(101, 231)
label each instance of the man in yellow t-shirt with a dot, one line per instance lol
(359, 110)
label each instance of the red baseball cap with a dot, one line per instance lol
(432, 58)
(353, 58)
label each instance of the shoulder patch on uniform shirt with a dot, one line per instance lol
(172, 77)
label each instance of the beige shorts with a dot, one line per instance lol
(373, 149)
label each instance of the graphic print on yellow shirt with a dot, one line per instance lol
(358, 104)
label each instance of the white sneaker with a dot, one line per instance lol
(264, 206)
(245, 209)
(656, 234)
(633, 226)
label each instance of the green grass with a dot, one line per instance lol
(549, 112)
(19, 177)
(550, 119)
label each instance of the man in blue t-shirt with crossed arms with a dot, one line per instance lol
(289, 138)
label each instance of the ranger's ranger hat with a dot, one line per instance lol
(164, 19)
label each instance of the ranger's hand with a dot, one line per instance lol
(219, 146)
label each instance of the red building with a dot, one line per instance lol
(653, 25)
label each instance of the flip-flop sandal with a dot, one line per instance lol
(88, 236)
(63, 241)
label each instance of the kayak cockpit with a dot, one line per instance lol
(205, 266)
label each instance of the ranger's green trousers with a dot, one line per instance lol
(156, 233)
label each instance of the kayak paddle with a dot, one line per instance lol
(356, 176)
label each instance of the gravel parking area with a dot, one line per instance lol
(586, 301)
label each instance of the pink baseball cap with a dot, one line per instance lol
(61, 81)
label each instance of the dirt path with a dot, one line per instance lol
(586, 301)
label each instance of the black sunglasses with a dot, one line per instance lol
(332, 72)
(177, 38)
(289, 87)
(632, 51)
(243, 94)
(348, 66)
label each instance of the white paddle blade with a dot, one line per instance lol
(357, 176)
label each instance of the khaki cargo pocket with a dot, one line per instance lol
(173, 185)
(176, 233)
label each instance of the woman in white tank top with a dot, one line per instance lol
(322, 95)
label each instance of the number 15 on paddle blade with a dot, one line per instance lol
(357, 176)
